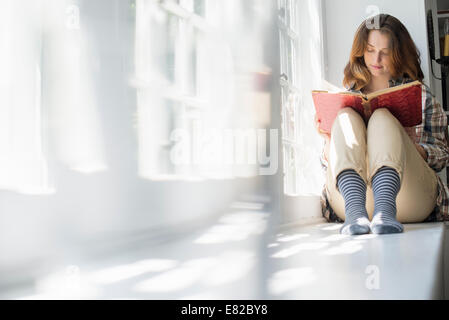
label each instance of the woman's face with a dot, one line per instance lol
(378, 54)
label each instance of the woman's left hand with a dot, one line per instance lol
(421, 151)
(411, 132)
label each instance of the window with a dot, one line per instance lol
(47, 103)
(290, 93)
(300, 35)
(196, 64)
(23, 167)
(194, 73)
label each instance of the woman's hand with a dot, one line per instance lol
(325, 136)
(421, 151)
(411, 131)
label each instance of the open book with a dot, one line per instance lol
(403, 101)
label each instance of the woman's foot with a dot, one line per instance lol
(358, 226)
(386, 184)
(353, 189)
(384, 222)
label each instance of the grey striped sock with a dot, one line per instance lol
(353, 189)
(386, 185)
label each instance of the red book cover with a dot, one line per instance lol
(403, 101)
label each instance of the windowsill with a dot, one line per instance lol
(317, 262)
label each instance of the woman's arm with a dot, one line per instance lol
(433, 132)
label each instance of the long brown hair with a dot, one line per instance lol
(405, 57)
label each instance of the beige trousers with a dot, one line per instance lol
(366, 149)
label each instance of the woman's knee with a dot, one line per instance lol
(348, 112)
(349, 118)
(384, 123)
(382, 115)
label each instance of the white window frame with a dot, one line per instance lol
(297, 207)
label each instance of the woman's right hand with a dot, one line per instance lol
(325, 136)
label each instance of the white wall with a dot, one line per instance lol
(344, 16)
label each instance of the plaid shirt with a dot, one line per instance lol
(432, 135)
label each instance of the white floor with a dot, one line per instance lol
(222, 261)
(236, 258)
